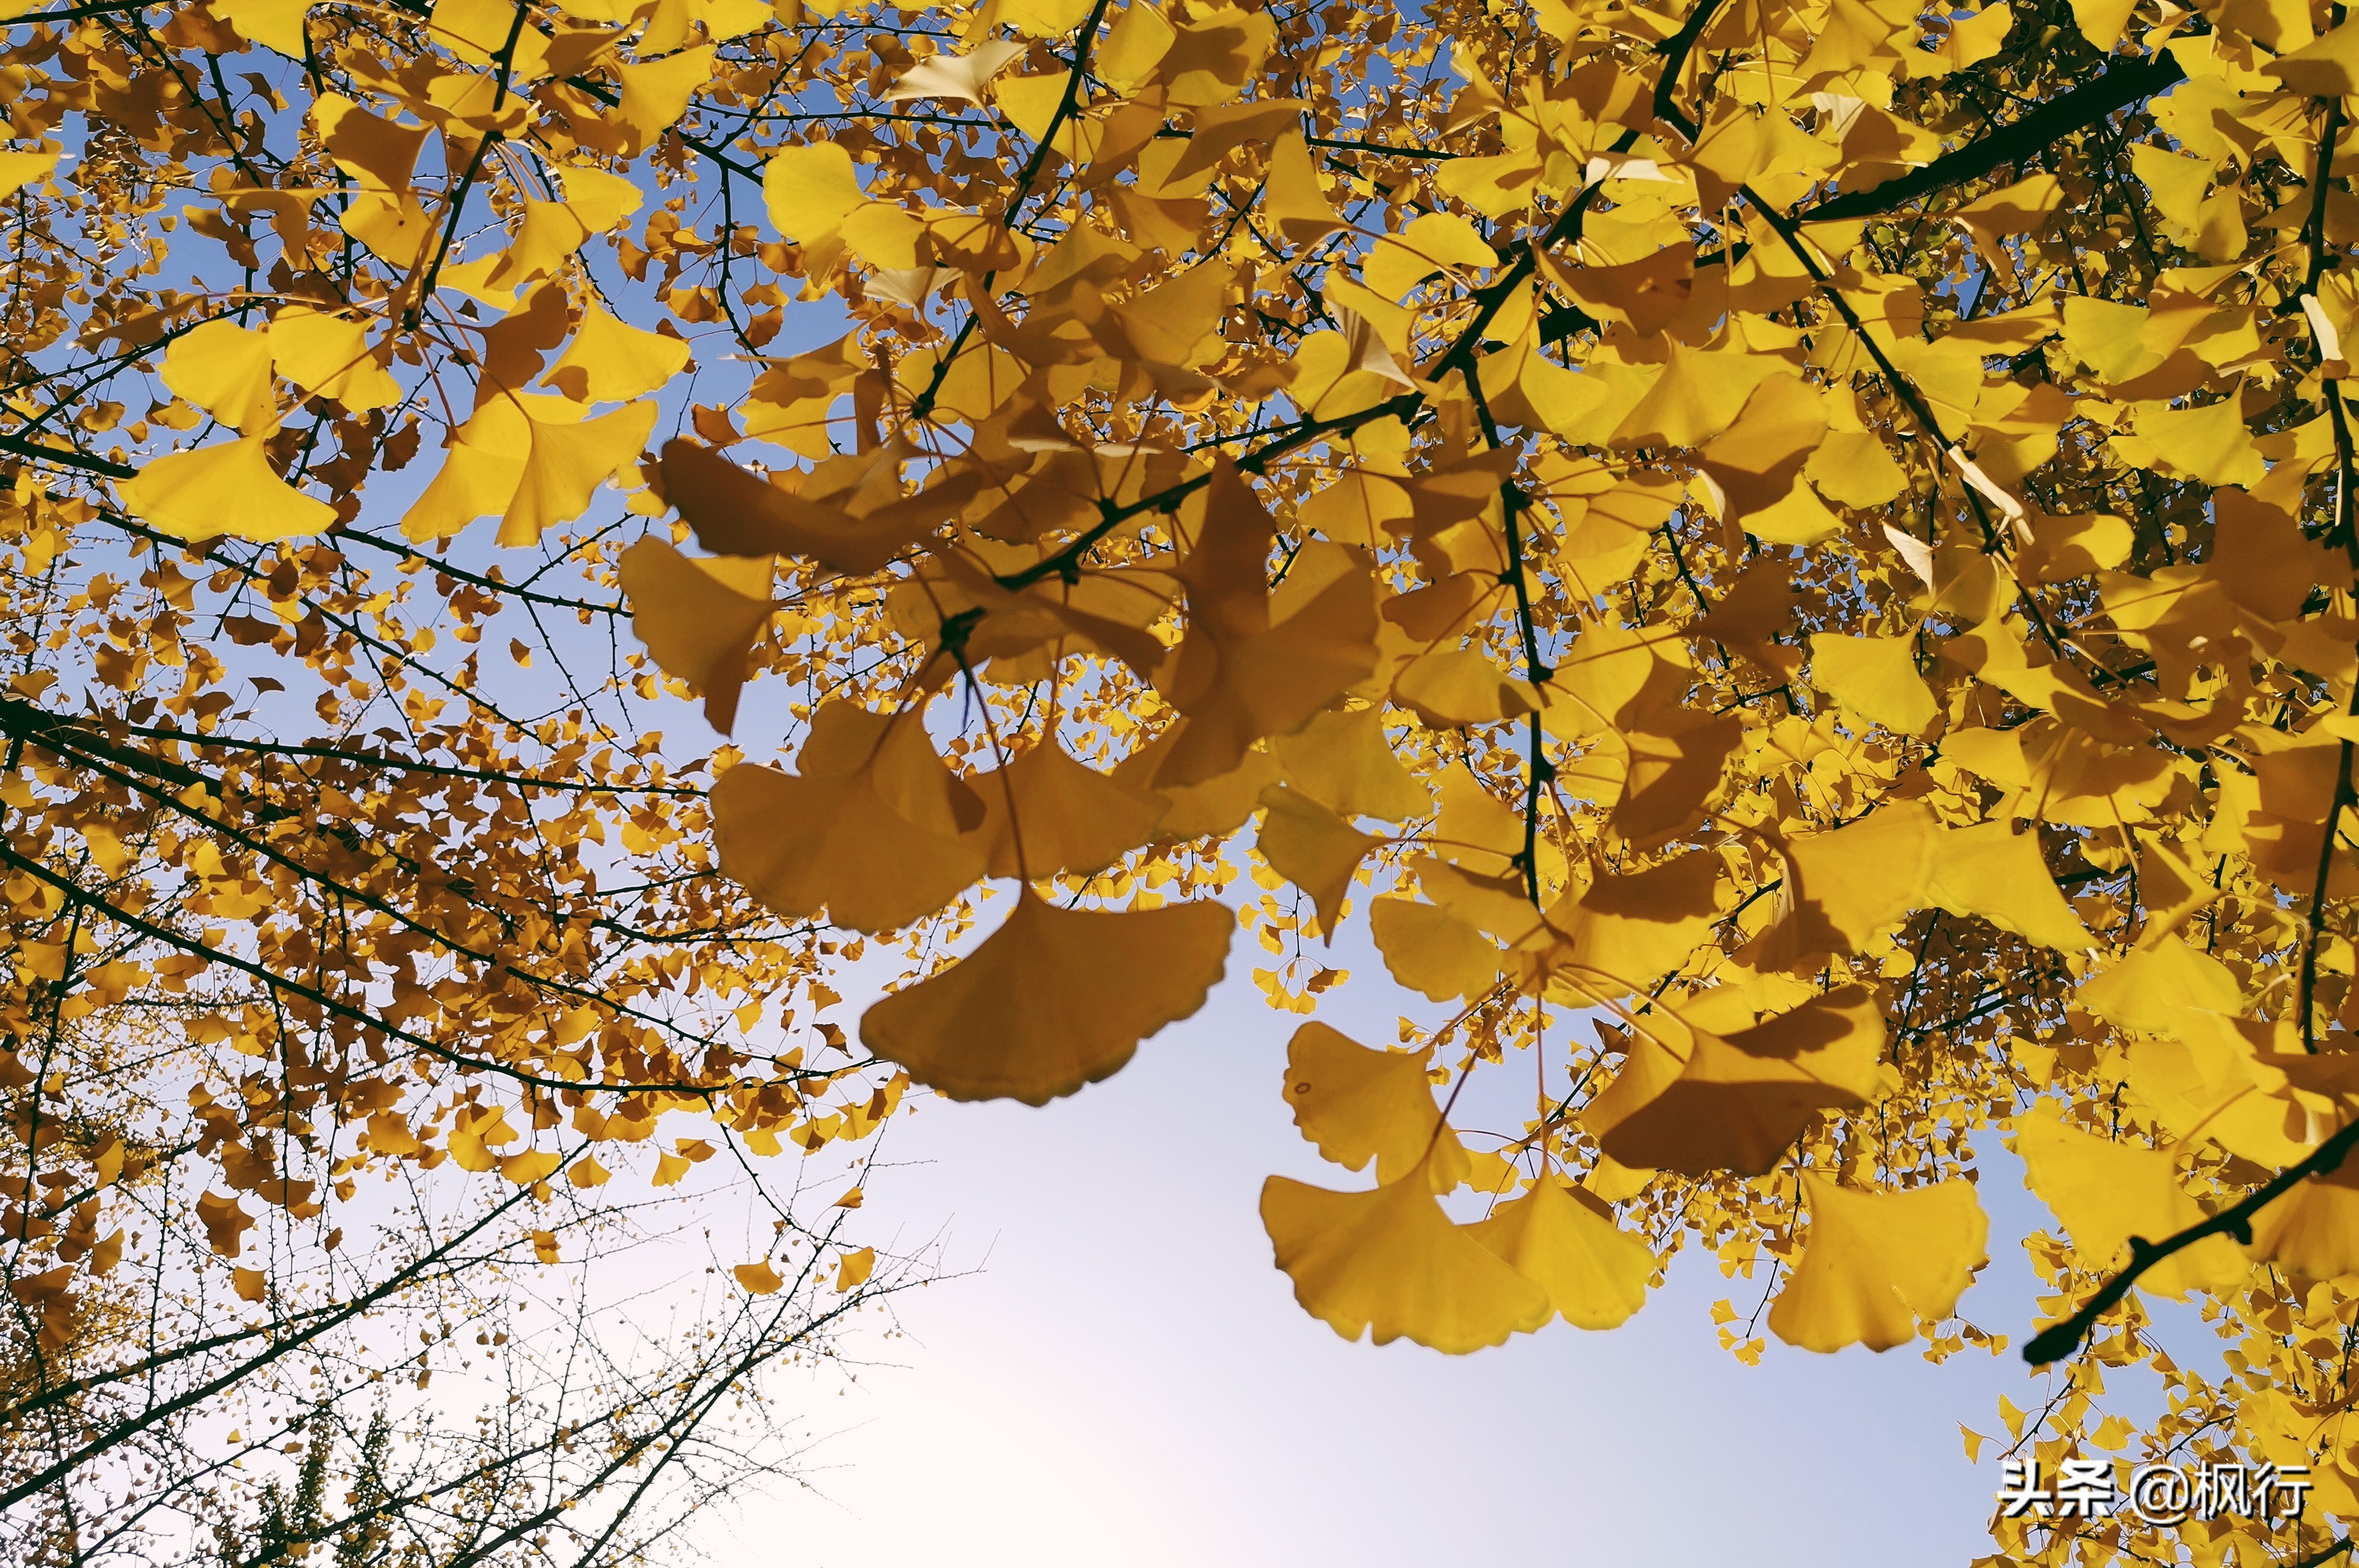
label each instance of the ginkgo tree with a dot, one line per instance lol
(1789, 565)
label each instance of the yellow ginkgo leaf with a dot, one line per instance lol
(324, 354)
(1475, 830)
(1875, 678)
(851, 1270)
(1644, 294)
(1699, 395)
(1677, 759)
(1218, 131)
(1255, 662)
(224, 369)
(274, 24)
(2148, 988)
(2208, 442)
(873, 828)
(250, 1284)
(20, 169)
(1990, 870)
(1876, 1262)
(759, 1278)
(699, 618)
(2326, 67)
(1844, 887)
(1359, 1105)
(810, 188)
(656, 93)
(1292, 199)
(479, 474)
(571, 456)
(1312, 848)
(955, 76)
(529, 1166)
(1429, 243)
(1391, 1260)
(226, 487)
(1612, 672)
(611, 362)
(1341, 759)
(1854, 468)
(2313, 1227)
(596, 200)
(1755, 462)
(735, 512)
(1053, 999)
(1432, 951)
(1458, 687)
(1629, 930)
(1738, 1102)
(544, 1246)
(1594, 1272)
(2105, 1192)
(1066, 817)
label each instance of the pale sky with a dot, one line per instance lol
(1128, 1380)
(1119, 1378)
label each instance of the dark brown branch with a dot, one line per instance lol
(64, 458)
(2058, 1340)
(75, 893)
(1675, 51)
(2319, 1559)
(38, 1481)
(2121, 84)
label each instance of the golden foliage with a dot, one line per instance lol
(1820, 539)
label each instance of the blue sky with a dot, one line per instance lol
(1123, 1377)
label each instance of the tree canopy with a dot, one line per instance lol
(1789, 564)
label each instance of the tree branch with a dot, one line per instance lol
(2121, 84)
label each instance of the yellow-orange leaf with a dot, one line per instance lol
(699, 618)
(2106, 1191)
(870, 830)
(1740, 1101)
(1429, 950)
(1992, 870)
(1359, 1105)
(1594, 1272)
(1876, 1262)
(1391, 1260)
(1312, 848)
(1053, 999)
(1065, 817)
(610, 361)
(1875, 678)
(226, 487)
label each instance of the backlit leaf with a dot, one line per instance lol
(1053, 999)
